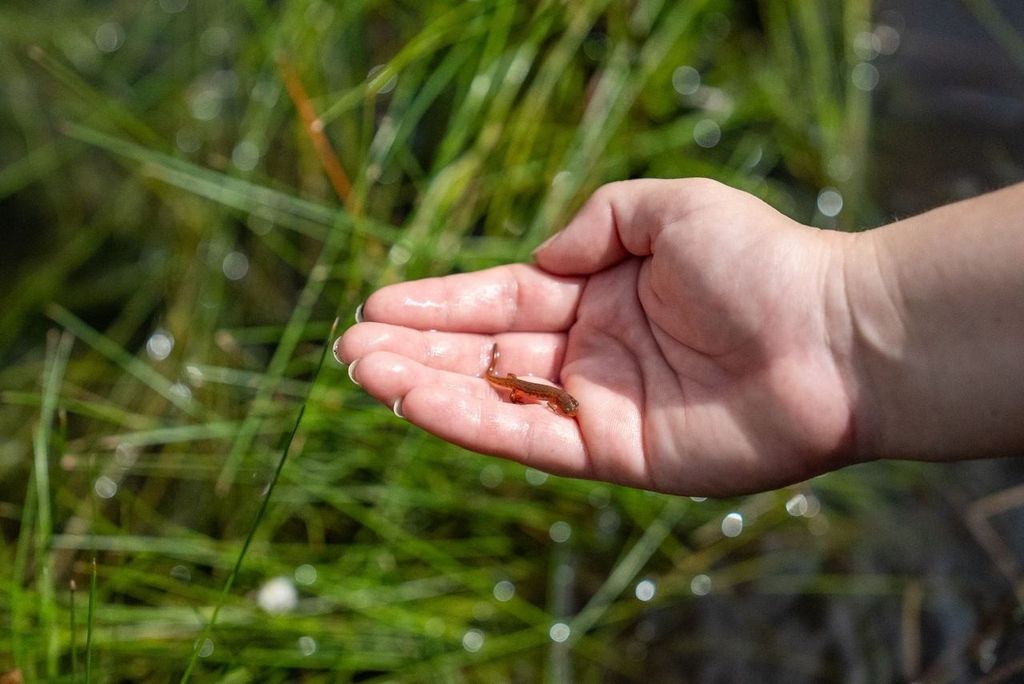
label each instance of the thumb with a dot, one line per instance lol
(619, 220)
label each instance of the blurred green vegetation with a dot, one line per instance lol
(176, 250)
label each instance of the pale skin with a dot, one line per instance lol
(717, 347)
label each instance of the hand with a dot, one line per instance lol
(693, 323)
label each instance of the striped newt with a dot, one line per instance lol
(558, 400)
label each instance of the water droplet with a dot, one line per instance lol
(245, 155)
(645, 589)
(434, 627)
(686, 80)
(535, 477)
(195, 375)
(840, 167)
(483, 611)
(187, 140)
(830, 202)
(818, 525)
(518, 69)
(473, 640)
(608, 521)
(867, 45)
(491, 475)
(504, 591)
(732, 525)
(717, 26)
(160, 344)
(305, 574)
(216, 40)
(260, 223)
(797, 505)
(399, 254)
(560, 532)
(386, 561)
(109, 36)
(888, 39)
(698, 499)
(181, 573)
(479, 86)
(104, 487)
(126, 454)
(205, 104)
(181, 391)
(266, 92)
(561, 178)
(700, 585)
(754, 158)
(599, 497)
(987, 654)
(388, 85)
(235, 265)
(307, 645)
(278, 596)
(559, 632)
(865, 76)
(319, 15)
(206, 650)
(707, 133)
(813, 506)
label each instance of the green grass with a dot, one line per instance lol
(144, 149)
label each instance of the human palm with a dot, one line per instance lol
(692, 322)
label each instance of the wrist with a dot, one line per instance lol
(930, 332)
(868, 337)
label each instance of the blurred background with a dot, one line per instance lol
(192, 191)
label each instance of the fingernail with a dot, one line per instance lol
(544, 244)
(359, 313)
(351, 372)
(397, 408)
(337, 352)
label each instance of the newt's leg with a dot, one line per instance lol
(515, 397)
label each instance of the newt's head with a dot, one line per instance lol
(565, 404)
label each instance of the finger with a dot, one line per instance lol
(388, 377)
(527, 433)
(514, 297)
(466, 353)
(621, 219)
(468, 412)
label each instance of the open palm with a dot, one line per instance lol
(693, 323)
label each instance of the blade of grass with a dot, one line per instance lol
(627, 568)
(102, 106)
(311, 218)
(290, 338)
(131, 365)
(20, 620)
(314, 129)
(57, 360)
(261, 511)
(992, 18)
(93, 407)
(72, 588)
(448, 28)
(614, 96)
(90, 619)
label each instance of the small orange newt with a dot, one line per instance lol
(558, 400)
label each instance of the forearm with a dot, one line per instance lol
(936, 332)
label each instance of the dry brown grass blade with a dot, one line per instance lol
(314, 128)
